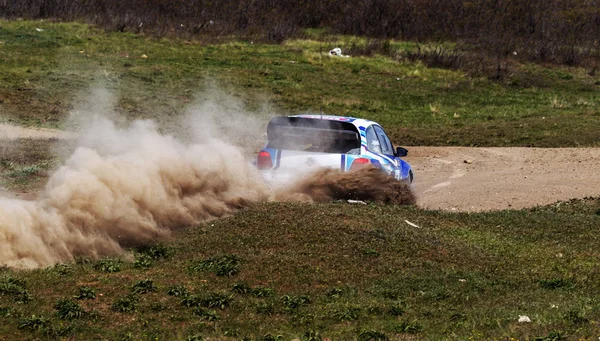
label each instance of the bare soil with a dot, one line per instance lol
(472, 179)
(11, 132)
(482, 179)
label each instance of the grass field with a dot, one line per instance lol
(285, 271)
(45, 72)
(312, 272)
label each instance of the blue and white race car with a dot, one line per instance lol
(304, 143)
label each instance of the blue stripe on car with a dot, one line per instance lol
(376, 163)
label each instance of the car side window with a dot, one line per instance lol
(386, 144)
(372, 141)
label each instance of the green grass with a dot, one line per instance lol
(47, 73)
(285, 271)
(334, 271)
(26, 163)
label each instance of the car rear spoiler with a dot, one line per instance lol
(330, 129)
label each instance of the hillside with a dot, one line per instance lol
(157, 237)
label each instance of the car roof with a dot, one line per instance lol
(358, 122)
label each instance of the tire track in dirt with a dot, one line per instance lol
(10, 132)
(482, 179)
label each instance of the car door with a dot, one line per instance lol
(378, 146)
(387, 149)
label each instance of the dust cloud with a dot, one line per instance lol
(367, 183)
(127, 185)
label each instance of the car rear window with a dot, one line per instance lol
(313, 135)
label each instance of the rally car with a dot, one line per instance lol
(299, 144)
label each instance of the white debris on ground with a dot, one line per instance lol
(338, 53)
(412, 224)
(350, 201)
(11, 132)
(524, 319)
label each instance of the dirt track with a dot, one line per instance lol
(474, 179)
(13, 132)
(480, 179)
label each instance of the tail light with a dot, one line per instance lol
(264, 160)
(359, 163)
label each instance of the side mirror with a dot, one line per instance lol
(401, 152)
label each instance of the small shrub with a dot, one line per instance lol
(62, 269)
(83, 260)
(295, 302)
(128, 336)
(178, 291)
(217, 300)
(231, 332)
(262, 292)
(7, 283)
(370, 252)
(391, 294)
(125, 304)
(376, 310)
(265, 308)
(438, 56)
(195, 337)
(554, 283)
(5, 312)
(575, 317)
(227, 265)
(59, 331)
(156, 252)
(371, 47)
(143, 262)
(269, 337)
(396, 310)
(312, 335)
(158, 306)
(206, 315)
(108, 265)
(372, 335)
(45, 326)
(304, 319)
(191, 301)
(143, 287)
(241, 288)
(86, 293)
(24, 171)
(408, 327)
(68, 309)
(335, 293)
(552, 336)
(7, 164)
(458, 317)
(346, 313)
(16, 289)
(34, 323)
